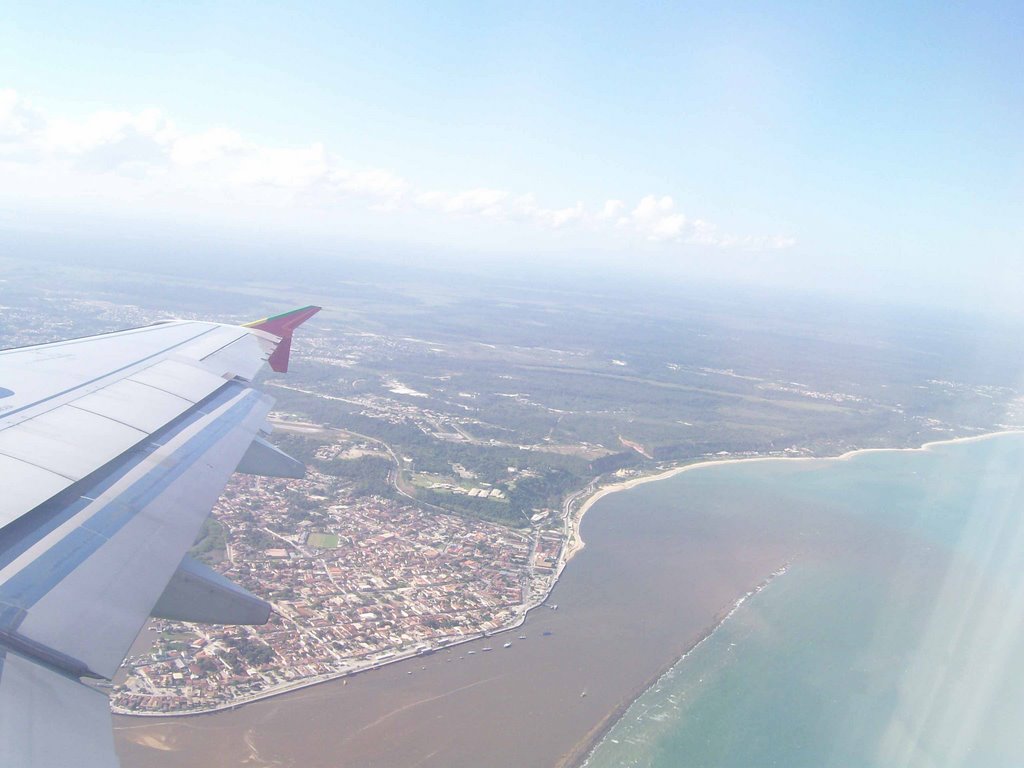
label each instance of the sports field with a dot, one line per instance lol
(323, 540)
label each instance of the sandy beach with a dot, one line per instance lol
(577, 543)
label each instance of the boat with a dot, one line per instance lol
(522, 637)
(486, 649)
(507, 645)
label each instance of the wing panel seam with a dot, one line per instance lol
(39, 466)
(28, 585)
(26, 531)
(107, 374)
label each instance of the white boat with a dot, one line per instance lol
(507, 645)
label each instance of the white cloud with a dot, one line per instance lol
(560, 217)
(147, 148)
(526, 208)
(611, 209)
(373, 183)
(487, 202)
(19, 124)
(655, 218)
(288, 167)
(207, 147)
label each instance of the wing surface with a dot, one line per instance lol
(113, 450)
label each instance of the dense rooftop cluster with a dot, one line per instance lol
(354, 583)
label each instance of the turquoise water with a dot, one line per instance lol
(895, 637)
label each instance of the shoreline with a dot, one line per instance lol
(573, 545)
(309, 682)
(580, 755)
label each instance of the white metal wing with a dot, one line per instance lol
(113, 450)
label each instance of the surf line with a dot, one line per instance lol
(675, 665)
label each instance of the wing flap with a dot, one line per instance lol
(268, 460)
(56, 440)
(198, 593)
(35, 485)
(243, 357)
(183, 379)
(136, 404)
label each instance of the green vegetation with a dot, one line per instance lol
(545, 380)
(210, 543)
(366, 476)
(252, 652)
(323, 540)
(531, 388)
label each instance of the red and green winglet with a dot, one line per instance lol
(283, 325)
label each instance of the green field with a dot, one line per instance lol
(323, 540)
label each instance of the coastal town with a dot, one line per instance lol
(354, 583)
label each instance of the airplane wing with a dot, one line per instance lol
(113, 450)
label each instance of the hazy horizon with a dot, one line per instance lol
(866, 151)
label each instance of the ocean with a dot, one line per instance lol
(894, 638)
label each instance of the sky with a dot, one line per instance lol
(869, 148)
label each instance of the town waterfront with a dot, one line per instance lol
(893, 560)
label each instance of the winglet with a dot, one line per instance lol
(283, 325)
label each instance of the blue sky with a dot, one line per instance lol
(866, 147)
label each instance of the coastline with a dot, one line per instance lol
(576, 543)
(580, 755)
(309, 682)
(551, 699)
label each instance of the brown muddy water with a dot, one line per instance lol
(663, 562)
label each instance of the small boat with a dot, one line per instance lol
(470, 652)
(507, 645)
(522, 637)
(486, 649)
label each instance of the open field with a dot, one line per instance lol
(323, 540)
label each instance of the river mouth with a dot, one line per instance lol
(664, 562)
(660, 568)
